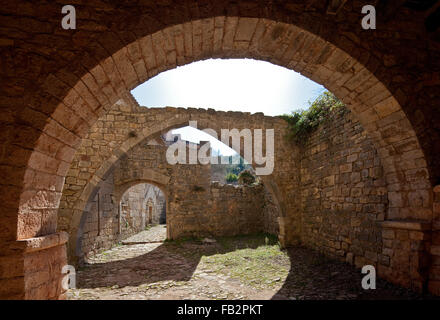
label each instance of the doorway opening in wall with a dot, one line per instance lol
(142, 217)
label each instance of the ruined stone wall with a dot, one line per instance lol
(343, 192)
(235, 209)
(266, 204)
(220, 210)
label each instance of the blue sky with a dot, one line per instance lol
(228, 85)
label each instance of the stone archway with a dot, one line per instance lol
(76, 251)
(148, 177)
(73, 97)
(377, 109)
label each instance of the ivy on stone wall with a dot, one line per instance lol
(303, 122)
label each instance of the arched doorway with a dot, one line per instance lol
(143, 206)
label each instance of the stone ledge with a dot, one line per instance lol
(45, 242)
(406, 225)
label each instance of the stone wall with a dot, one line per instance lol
(343, 191)
(345, 202)
(133, 210)
(218, 173)
(434, 272)
(233, 210)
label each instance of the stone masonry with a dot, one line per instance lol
(57, 84)
(345, 205)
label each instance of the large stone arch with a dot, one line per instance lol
(369, 99)
(279, 43)
(59, 112)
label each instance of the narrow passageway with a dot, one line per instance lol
(241, 267)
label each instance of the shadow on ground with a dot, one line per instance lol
(171, 260)
(308, 274)
(313, 276)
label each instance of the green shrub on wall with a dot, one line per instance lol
(303, 122)
(238, 167)
(231, 177)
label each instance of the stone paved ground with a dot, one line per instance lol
(247, 267)
(153, 234)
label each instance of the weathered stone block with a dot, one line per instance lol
(388, 234)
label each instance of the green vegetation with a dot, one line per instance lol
(256, 259)
(231, 177)
(303, 122)
(237, 168)
(246, 177)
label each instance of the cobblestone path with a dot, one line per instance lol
(154, 234)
